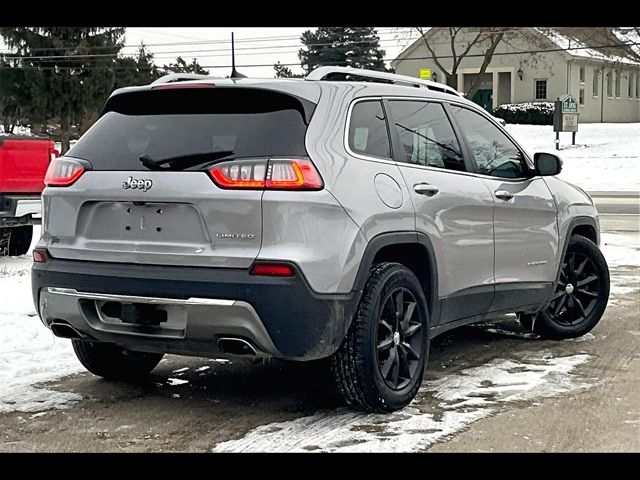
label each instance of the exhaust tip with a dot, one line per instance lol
(235, 346)
(63, 330)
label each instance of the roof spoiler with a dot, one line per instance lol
(181, 77)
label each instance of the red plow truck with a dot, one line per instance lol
(23, 163)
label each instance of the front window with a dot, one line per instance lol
(581, 74)
(609, 84)
(494, 153)
(630, 87)
(596, 82)
(581, 97)
(617, 84)
(541, 89)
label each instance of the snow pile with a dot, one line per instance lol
(606, 157)
(29, 353)
(464, 397)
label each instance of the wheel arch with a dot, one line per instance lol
(584, 226)
(412, 249)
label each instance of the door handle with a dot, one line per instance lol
(503, 194)
(425, 189)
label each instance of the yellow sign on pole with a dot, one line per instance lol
(425, 73)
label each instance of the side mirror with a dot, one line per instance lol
(547, 164)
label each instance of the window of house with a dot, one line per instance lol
(426, 136)
(637, 85)
(494, 153)
(631, 79)
(541, 90)
(596, 82)
(368, 130)
(581, 97)
(617, 84)
(609, 84)
(581, 74)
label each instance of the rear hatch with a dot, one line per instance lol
(23, 163)
(148, 194)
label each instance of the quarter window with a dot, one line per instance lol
(541, 89)
(426, 136)
(494, 153)
(368, 133)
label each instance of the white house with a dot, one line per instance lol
(533, 65)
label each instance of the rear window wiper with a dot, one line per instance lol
(182, 162)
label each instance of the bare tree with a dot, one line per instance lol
(486, 39)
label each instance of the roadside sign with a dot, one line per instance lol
(569, 104)
(425, 73)
(565, 118)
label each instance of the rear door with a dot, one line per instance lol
(121, 211)
(452, 207)
(525, 227)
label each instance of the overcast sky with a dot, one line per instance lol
(254, 46)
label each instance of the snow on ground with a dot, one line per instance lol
(606, 157)
(622, 253)
(459, 399)
(29, 353)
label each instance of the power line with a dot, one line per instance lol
(201, 42)
(179, 52)
(385, 59)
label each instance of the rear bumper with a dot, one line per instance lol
(20, 210)
(279, 317)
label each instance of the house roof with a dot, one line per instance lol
(580, 41)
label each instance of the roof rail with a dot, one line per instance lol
(321, 72)
(180, 77)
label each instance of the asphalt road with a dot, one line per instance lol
(592, 399)
(619, 211)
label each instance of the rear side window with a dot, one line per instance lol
(368, 133)
(171, 123)
(426, 136)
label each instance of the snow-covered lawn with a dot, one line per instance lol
(606, 155)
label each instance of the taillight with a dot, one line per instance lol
(40, 255)
(63, 172)
(273, 174)
(272, 270)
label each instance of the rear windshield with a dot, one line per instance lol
(172, 123)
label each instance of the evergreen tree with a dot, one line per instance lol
(357, 47)
(138, 70)
(282, 71)
(181, 66)
(73, 68)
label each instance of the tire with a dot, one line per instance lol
(361, 367)
(20, 240)
(112, 362)
(5, 238)
(580, 296)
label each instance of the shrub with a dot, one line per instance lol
(538, 113)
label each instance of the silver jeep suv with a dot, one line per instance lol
(353, 215)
